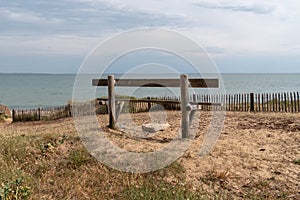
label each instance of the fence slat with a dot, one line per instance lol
(298, 101)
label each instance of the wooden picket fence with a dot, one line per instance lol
(277, 102)
(244, 102)
(41, 114)
(263, 102)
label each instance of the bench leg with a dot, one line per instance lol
(111, 102)
(184, 101)
(119, 110)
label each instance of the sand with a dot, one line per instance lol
(254, 150)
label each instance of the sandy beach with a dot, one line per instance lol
(256, 154)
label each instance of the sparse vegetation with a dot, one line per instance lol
(39, 157)
(296, 161)
(3, 117)
(14, 190)
(79, 157)
(159, 189)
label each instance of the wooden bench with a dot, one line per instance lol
(188, 108)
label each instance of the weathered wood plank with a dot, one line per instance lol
(198, 83)
(103, 100)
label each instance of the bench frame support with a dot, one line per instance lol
(187, 110)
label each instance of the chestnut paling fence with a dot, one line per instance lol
(244, 102)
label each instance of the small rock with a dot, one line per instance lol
(122, 126)
(152, 128)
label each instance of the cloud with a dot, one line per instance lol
(13, 14)
(80, 17)
(215, 50)
(47, 45)
(71, 28)
(238, 6)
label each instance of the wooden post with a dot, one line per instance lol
(245, 103)
(149, 104)
(111, 102)
(13, 115)
(70, 110)
(292, 103)
(39, 114)
(229, 102)
(184, 100)
(240, 102)
(276, 102)
(192, 113)
(273, 102)
(234, 102)
(258, 102)
(285, 102)
(295, 102)
(251, 102)
(119, 110)
(194, 98)
(268, 102)
(262, 102)
(298, 101)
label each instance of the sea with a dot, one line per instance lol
(26, 91)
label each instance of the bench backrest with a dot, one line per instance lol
(198, 83)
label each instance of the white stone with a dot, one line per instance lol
(152, 128)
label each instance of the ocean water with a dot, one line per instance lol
(21, 91)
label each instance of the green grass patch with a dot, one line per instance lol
(159, 189)
(3, 117)
(296, 161)
(15, 189)
(79, 157)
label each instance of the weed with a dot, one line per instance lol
(14, 190)
(79, 157)
(217, 176)
(45, 142)
(3, 117)
(296, 161)
(153, 189)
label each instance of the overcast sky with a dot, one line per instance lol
(38, 36)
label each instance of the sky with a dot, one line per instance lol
(253, 36)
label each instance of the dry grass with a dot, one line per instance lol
(53, 166)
